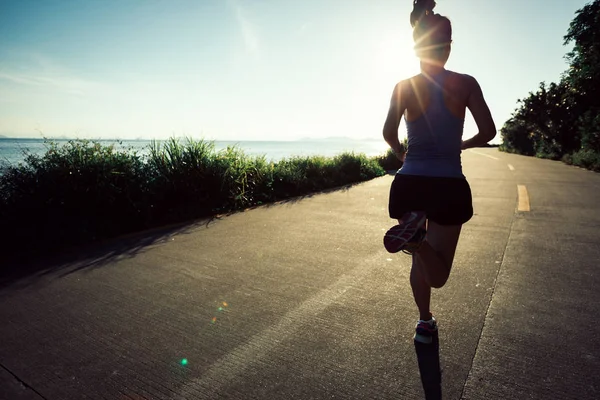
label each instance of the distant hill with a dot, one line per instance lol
(3, 137)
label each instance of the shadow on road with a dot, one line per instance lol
(25, 271)
(428, 356)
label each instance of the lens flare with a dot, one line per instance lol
(184, 361)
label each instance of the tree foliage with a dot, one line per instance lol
(563, 118)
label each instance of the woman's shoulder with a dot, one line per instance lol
(461, 84)
(465, 79)
(455, 81)
(414, 79)
(407, 85)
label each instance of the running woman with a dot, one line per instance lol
(430, 196)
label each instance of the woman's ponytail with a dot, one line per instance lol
(421, 9)
(429, 29)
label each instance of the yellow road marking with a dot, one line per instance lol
(511, 167)
(523, 199)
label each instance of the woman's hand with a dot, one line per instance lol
(400, 155)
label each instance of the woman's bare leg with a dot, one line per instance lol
(421, 290)
(436, 254)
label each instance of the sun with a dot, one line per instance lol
(395, 60)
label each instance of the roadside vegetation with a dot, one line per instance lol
(561, 121)
(82, 191)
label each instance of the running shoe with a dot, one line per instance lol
(425, 330)
(398, 236)
(413, 244)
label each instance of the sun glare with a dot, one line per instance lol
(395, 60)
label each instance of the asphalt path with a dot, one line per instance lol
(300, 300)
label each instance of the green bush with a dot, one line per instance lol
(78, 191)
(547, 155)
(83, 191)
(389, 161)
(588, 159)
(517, 138)
(567, 159)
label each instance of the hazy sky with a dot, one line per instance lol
(252, 69)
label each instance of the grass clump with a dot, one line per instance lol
(83, 191)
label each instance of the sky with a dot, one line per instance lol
(253, 69)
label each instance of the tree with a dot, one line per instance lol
(584, 31)
(563, 118)
(584, 74)
(544, 124)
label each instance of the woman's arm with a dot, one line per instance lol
(392, 122)
(482, 115)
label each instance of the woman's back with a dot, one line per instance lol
(435, 111)
(455, 88)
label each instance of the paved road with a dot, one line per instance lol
(300, 301)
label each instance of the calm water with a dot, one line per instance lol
(12, 150)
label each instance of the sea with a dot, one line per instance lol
(14, 150)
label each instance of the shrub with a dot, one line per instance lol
(567, 159)
(389, 161)
(548, 155)
(83, 191)
(76, 192)
(588, 159)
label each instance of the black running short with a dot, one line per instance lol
(446, 201)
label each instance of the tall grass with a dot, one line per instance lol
(83, 191)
